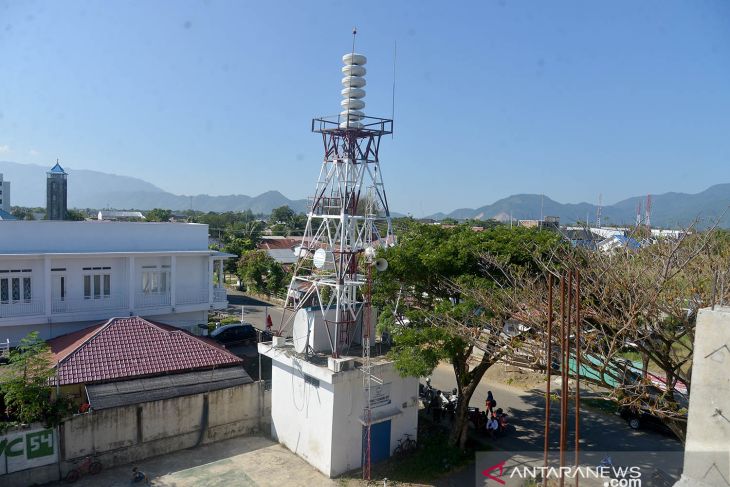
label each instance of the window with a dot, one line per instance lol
(155, 280)
(16, 289)
(97, 284)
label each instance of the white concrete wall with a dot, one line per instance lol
(348, 411)
(301, 415)
(323, 424)
(707, 449)
(96, 236)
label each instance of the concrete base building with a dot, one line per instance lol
(707, 449)
(57, 277)
(317, 408)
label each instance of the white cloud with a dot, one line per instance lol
(4, 149)
(33, 152)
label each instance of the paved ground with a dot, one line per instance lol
(600, 432)
(244, 462)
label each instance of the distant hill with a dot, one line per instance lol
(94, 189)
(669, 210)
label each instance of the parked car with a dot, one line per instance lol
(236, 334)
(643, 418)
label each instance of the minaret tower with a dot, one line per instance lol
(348, 215)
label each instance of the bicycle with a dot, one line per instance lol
(87, 465)
(405, 446)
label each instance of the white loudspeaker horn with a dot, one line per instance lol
(381, 264)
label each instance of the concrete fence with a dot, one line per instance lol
(127, 434)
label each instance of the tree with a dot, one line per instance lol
(26, 385)
(432, 280)
(158, 215)
(75, 215)
(282, 214)
(639, 302)
(237, 246)
(260, 272)
(22, 213)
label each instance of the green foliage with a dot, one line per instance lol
(27, 387)
(75, 215)
(285, 222)
(23, 213)
(261, 273)
(158, 215)
(237, 246)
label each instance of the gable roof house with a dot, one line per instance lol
(132, 360)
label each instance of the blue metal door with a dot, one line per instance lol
(379, 441)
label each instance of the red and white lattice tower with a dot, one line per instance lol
(348, 215)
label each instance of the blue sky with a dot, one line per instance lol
(566, 98)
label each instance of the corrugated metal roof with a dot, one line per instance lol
(124, 393)
(282, 256)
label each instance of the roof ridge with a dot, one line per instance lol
(87, 341)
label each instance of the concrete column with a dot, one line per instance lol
(706, 459)
(211, 270)
(47, 291)
(132, 280)
(220, 274)
(173, 280)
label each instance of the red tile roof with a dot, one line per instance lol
(123, 348)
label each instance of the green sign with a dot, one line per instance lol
(20, 450)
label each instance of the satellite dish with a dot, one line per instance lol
(320, 256)
(369, 252)
(300, 331)
(381, 264)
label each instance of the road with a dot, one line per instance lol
(600, 432)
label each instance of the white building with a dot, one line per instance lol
(4, 195)
(317, 403)
(115, 215)
(60, 276)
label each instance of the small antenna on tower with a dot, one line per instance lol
(392, 103)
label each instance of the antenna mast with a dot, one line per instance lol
(647, 208)
(348, 218)
(598, 210)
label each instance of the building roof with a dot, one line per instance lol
(125, 348)
(283, 256)
(4, 215)
(57, 169)
(112, 214)
(135, 391)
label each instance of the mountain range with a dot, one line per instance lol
(94, 189)
(668, 210)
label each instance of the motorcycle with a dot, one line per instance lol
(426, 392)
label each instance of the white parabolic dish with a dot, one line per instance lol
(300, 330)
(320, 256)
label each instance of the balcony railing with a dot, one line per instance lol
(151, 300)
(30, 307)
(195, 296)
(219, 295)
(81, 305)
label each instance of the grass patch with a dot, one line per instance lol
(432, 459)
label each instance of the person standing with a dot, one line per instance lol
(490, 403)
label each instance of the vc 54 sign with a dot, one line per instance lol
(27, 449)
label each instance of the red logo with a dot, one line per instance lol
(499, 466)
